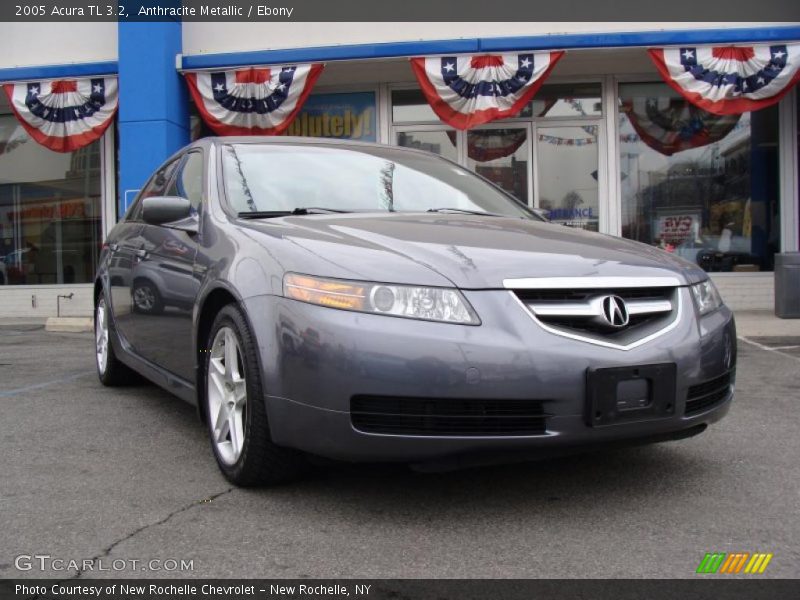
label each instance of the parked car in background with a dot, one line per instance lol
(371, 303)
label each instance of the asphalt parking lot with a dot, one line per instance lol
(94, 473)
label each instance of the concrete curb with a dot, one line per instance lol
(752, 324)
(69, 324)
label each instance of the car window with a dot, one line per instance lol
(189, 181)
(155, 187)
(355, 178)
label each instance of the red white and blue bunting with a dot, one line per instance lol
(466, 91)
(670, 125)
(67, 114)
(728, 80)
(253, 101)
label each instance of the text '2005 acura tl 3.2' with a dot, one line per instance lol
(370, 303)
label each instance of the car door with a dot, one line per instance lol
(163, 283)
(125, 246)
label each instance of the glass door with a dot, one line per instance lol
(568, 181)
(436, 139)
(502, 155)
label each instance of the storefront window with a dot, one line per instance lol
(501, 155)
(568, 100)
(347, 116)
(700, 185)
(442, 142)
(568, 182)
(50, 210)
(410, 106)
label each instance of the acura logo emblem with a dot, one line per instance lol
(615, 312)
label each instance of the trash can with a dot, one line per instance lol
(787, 285)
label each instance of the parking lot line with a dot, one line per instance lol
(36, 386)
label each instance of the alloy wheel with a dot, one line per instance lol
(101, 336)
(227, 395)
(144, 298)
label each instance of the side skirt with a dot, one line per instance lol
(149, 370)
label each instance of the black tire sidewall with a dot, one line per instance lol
(230, 316)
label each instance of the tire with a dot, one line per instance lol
(110, 370)
(238, 429)
(146, 298)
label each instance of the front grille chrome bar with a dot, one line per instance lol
(562, 283)
(594, 308)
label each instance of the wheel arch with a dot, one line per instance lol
(214, 301)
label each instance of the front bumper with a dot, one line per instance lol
(314, 360)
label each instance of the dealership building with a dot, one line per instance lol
(606, 143)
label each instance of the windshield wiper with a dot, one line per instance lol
(305, 210)
(465, 211)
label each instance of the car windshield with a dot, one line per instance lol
(275, 179)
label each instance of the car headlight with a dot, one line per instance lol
(445, 305)
(706, 297)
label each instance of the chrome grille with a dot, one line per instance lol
(618, 315)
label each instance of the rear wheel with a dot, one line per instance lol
(235, 410)
(110, 370)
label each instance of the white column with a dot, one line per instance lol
(788, 155)
(613, 208)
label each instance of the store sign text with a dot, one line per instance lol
(64, 210)
(346, 116)
(675, 229)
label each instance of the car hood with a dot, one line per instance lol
(470, 252)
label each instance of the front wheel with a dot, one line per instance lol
(235, 410)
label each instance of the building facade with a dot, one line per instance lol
(599, 146)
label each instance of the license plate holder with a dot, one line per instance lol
(628, 394)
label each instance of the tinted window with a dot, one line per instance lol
(189, 181)
(369, 178)
(157, 186)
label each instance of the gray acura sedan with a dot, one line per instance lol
(369, 303)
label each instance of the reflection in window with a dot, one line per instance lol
(501, 155)
(568, 186)
(50, 210)
(442, 142)
(265, 177)
(410, 106)
(702, 186)
(566, 100)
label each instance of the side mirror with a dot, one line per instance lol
(172, 211)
